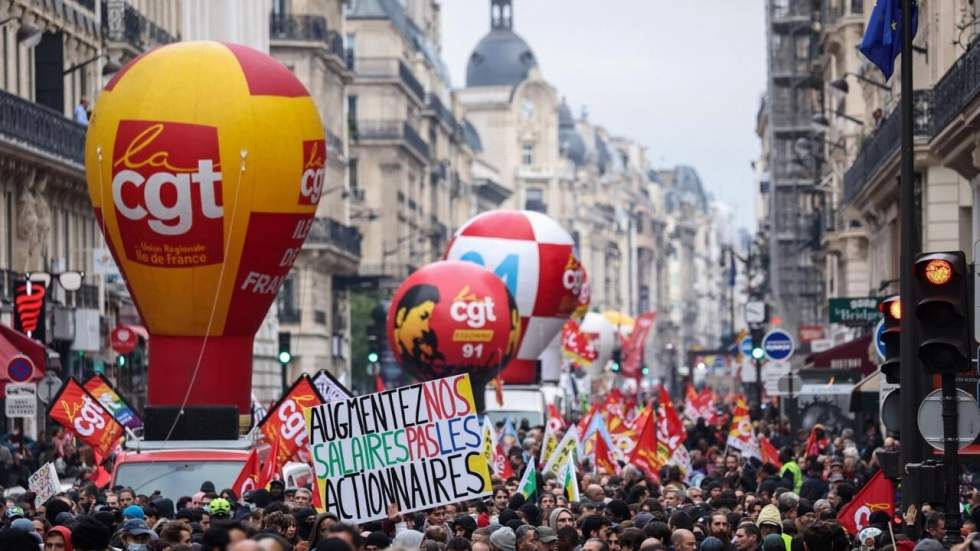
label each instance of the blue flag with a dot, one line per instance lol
(883, 36)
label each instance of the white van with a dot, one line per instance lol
(521, 402)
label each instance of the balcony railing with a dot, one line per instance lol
(885, 143)
(958, 87)
(306, 27)
(335, 146)
(327, 231)
(42, 129)
(392, 129)
(124, 23)
(444, 114)
(376, 67)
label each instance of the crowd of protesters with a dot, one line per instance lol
(726, 502)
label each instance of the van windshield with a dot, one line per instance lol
(534, 418)
(175, 479)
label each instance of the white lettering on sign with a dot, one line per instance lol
(175, 219)
(572, 280)
(263, 284)
(311, 183)
(475, 313)
(89, 418)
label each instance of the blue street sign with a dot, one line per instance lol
(880, 344)
(778, 345)
(20, 369)
(746, 345)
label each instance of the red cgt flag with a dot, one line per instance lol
(76, 410)
(817, 439)
(603, 463)
(285, 420)
(644, 454)
(769, 452)
(877, 495)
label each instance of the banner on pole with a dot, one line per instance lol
(418, 446)
(76, 410)
(285, 419)
(100, 389)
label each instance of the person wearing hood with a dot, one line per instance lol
(561, 517)
(408, 539)
(58, 539)
(771, 522)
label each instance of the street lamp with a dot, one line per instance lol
(110, 67)
(841, 83)
(27, 35)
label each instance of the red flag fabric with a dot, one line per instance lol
(285, 420)
(555, 420)
(603, 462)
(877, 495)
(769, 452)
(633, 347)
(644, 454)
(501, 462)
(76, 410)
(379, 383)
(271, 467)
(247, 479)
(100, 477)
(670, 430)
(576, 345)
(816, 440)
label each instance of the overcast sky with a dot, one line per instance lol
(683, 77)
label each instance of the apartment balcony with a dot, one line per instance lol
(832, 14)
(882, 147)
(335, 148)
(395, 132)
(445, 116)
(42, 131)
(126, 29)
(957, 112)
(313, 29)
(329, 232)
(390, 70)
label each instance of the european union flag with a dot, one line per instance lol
(883, 36)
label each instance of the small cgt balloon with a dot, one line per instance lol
(454, 317)
(205, 164)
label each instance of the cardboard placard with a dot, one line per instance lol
(417, 446)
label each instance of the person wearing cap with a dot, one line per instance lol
(135, 535)
(503, 539)
(546, 539)
(219, 509)
(133, 511)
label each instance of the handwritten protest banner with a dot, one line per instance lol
(417, 446)
(44, 483)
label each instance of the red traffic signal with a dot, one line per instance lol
(891, 310)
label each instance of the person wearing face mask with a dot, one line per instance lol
(135, 535)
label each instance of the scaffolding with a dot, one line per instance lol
(794, 213)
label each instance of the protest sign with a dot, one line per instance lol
(329, 387)
(567, 447)
(100, 389)
(44, 483)
(418, 446)
(76, 410)
(285, 419)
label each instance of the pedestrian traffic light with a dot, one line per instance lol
(942, 311)
(646, 370)
(121, 360)
(285, 351)
(373, 357)
(891, 336)
(758, 333)
(617, 360)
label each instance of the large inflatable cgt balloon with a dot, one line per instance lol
(454, 317)
(205, 164)
(535, 257)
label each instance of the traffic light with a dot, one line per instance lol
(617, 360)
(376, 336)
(121, 360)
(758, 333)
(942, 311)
(646, 370)
(373, 357)
(891, 336)
(285, 350)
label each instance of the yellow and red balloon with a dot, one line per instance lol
(205, 164)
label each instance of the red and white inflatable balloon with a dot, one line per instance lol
(534, 256)
(454, 317)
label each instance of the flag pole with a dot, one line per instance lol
(913, 379)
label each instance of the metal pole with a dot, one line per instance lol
(951, 460)
(912, 376)
(758, 383)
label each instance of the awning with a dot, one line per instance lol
(865, 396)
(13, 346)
(854, 355)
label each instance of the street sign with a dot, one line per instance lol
(880, 344)
(854, 311)
(783, 385)
(20, 400)
(931, 418)
(755, 312)
(772, 372)
(20, 369)
(778, 345)
(746, 346)
(48, 387)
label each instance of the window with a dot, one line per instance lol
(527, 154)
(352, 178)
(280, 7)
(534, 200)
(352, 116)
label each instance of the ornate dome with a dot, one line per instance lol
(502, 57)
